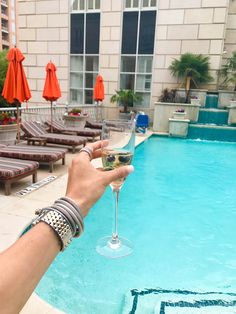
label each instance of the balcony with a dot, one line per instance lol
(4, 3)
(4, 16)
(5, 29)
(5, 43)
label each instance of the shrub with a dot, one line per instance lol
(3, 72)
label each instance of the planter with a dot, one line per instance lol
(199, 93)
(225, 96)
(125, 115)
(195, 101)
(178, 128)
(8, 134)
(75, 121)
(232, 112)
(164, 111)
(179, 115)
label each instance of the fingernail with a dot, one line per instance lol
(130, 168)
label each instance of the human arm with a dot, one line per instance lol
(25, 262)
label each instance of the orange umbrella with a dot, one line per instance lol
(51, 91)
(98, 93)
(16, 88)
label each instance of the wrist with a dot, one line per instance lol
(81, 203)
(48, 233)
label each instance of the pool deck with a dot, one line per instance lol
(16, 211)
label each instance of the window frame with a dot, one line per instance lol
(83, 55)
(136, 72)
(140, 6)
(137, 55)
(86, 9)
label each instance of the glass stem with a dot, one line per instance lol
(116, 193)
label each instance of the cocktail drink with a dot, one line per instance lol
(120, 136)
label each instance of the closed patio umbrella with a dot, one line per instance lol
(98, 93)
(16, 89)
(51, 91)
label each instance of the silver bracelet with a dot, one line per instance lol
(58, 223)
(64, 217)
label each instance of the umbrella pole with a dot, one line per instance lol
(97, 103)
(18, 122)
(51, 119)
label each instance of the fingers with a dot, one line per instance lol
(118, 173)
(97, 153)
(97, 145)
(96, 148)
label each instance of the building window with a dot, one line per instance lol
(137, 50)
(142, 4)
(84, 50)
(129, 32)
(85, 5)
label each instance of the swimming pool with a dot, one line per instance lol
(179, 210)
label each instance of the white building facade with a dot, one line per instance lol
(131, 43)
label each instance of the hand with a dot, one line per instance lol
(85, 183)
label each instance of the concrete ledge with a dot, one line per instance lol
(35, 305)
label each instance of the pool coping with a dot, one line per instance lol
(19, 210)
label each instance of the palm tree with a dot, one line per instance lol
(126, 97)
(191, 69)
(228, 71)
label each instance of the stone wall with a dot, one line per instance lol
(197, 26)
(44, 36)
(110, 45)
(230, 38)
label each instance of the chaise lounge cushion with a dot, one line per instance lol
(57, 126)
(93, 124)
(36, 153)
(33, 129)
(10, 168)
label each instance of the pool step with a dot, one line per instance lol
(212, 132)
(216, 116)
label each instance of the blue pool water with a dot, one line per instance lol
(179, 210)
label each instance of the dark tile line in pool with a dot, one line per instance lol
(196, 304)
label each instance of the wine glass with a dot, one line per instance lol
(119, 152)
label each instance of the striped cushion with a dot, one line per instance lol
(93, 124)
(37, 153)
(10, 168)
(33, 129)
(64, 139)
(59, 127)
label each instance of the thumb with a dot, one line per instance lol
(118, 173)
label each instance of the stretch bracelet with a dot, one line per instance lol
(73, 208)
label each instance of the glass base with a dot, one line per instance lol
(111, 248)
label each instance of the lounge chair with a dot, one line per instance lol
(12, 170)
(40, 154)
(93, 124)
(34, 130)
(59, 127)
